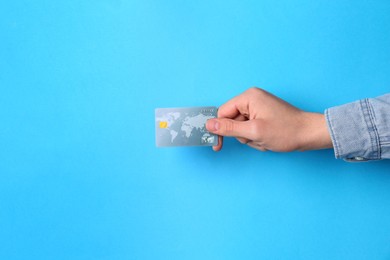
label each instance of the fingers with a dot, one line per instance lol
(233, 119)
(241, 118)
(242, 140)
(238, 105)
(256, 146)
(230, 127)
(218, 147)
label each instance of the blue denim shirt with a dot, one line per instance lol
(360, 130)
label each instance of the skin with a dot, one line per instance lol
(265, 122)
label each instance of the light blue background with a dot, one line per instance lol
(81, 178)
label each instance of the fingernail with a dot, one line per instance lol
(212, 125)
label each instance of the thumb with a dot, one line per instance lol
(230, 127)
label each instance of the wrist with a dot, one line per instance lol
(314, 134)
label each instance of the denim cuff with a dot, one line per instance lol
(353, 131)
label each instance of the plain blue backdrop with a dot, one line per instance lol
(81, 178)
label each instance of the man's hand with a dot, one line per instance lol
(266, 122)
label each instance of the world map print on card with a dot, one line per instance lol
(184, 126)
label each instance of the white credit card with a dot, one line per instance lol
(184, 126)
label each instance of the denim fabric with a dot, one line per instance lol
(360, 130)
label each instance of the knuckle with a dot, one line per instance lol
(255, 92)
(251, 90)
(229, 127)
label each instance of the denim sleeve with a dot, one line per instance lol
(360, 130)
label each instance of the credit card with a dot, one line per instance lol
(184, 126)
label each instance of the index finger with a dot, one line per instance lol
(235, 107)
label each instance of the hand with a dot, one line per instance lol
(265, 122)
